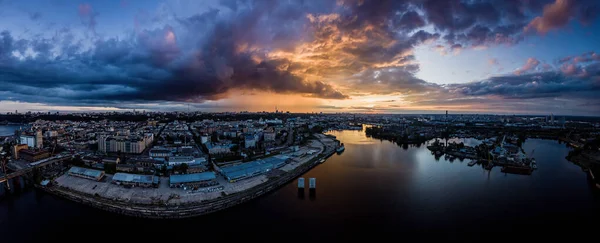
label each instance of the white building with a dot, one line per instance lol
(28, 139)
(203, 139)
(177, 160)
(218, 149)
(250, 141)
(123, 144)
(33, 141)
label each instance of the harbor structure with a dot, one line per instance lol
(301, 183)
(312, 183)
(135, 180)
(89, 174)
(203, 179)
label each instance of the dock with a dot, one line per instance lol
(312, 183)
(301, 183)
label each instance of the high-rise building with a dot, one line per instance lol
(39, 142)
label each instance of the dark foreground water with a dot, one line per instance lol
(374, 189)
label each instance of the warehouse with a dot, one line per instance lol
(253, 168)
(203, 179)
(131, 180)
(86, 173)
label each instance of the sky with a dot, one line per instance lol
(366, 56)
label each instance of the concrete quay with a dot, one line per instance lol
(193, 208)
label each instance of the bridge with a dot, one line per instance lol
(38, 164)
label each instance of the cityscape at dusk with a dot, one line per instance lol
(413, 56)
(299, 120)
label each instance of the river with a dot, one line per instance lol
(374, 188)
(7, 130)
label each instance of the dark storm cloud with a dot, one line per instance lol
(157, 64)
(409, 21)
(535, 85)
(239, 47)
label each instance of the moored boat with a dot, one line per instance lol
(340, 148)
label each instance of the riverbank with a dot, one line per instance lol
(137, 208)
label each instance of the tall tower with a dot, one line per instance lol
(551, 118)
(38, 139)
(446, 114)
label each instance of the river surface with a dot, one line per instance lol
(7, 130)
(374, 188)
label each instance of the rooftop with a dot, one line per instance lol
(204, 176)
(125, 177)
(86, 172)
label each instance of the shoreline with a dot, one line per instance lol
(186, 211)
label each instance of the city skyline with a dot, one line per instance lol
(415, 56)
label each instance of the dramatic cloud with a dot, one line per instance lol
(555, 15)
(571, 81)
(530, 65)
(559, 13)
(331, 49)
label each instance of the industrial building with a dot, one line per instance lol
(90, 174)
(33, 140)
(160, 152)
(33, 155)
(253, 168)
(250, 140)
(203, 179)
(177, 160)
(17, 148)
(135, 180)
(124, 144)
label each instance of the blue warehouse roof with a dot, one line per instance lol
(84, 171)
(133, 178)
(254, 167)
(196, 177)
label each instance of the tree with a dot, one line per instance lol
(110, 168)
(77, 161)
(183, 168)
(163, 169)
(214, 137)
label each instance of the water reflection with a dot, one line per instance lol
(301, 193)
(312, 194)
